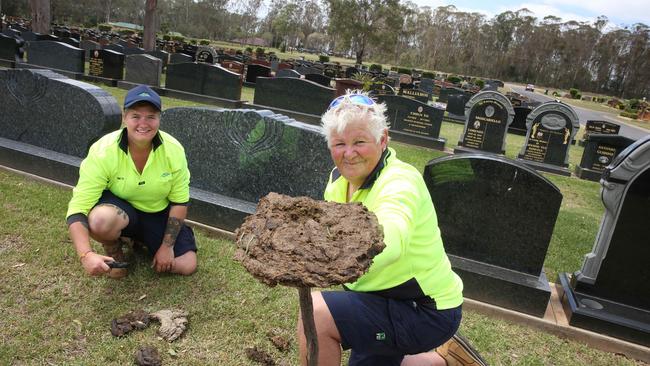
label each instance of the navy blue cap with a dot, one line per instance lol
(142, 93)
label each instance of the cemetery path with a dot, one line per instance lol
(585, 114)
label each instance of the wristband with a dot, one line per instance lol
(82, 256)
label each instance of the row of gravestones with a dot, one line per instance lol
(479, 197)
(489, 114)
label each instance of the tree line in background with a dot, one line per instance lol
(513, 45)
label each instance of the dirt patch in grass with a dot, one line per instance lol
(301, 242)
(260, 356)
(8, 242)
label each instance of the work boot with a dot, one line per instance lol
(458, 352)
(115, 250)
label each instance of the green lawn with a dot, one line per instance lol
(54, 314)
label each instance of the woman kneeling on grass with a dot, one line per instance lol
(134, 183)
(409, 301)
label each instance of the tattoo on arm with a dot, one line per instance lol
(171, 231)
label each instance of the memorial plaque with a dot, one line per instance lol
(600, 150)
(479, 197)
(415, 94)
(551, 127)
(413, 122)
(610, 293)
(487, 117)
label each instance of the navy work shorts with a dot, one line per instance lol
(381, 331)
(149, 228)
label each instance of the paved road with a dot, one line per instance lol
(587, 114)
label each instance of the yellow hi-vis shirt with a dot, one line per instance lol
(414, 263)
(165, 178)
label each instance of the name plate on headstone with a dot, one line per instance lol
(415, 94)
(414, 122)
(600, 150)
(95, 64)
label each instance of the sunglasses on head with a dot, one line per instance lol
(359, 99)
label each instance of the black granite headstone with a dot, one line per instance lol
(446, 92)
(287, 73)
(115, 47)
(320, 79)
(177, 58)
(206, 54)
(143, 69)
(600, 150)
(71, 41)
(456, 105)
(518, 125)
(106, 64)
(600, 127)
(254, 71)
(415, 94)
(414, 122)
(477, 198)
(551, 127)
(88, 46)
(205, 79)
(487, 117)
(10, 49)
(293, 94)
(610, 294)
(427, 85)
(48, 122)
(381, 89)
(30, 36)
(56, 55)
(238, 156)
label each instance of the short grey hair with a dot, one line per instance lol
(338, 118)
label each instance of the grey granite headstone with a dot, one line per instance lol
(162, 55)
(56, 55)
(293, 94)
(48, 121)
(205, 79)
(134, 51)
(177, 58)
(287, 73)
(551, 128)
(238, 156)
(143, 69)
(478, 198)
(611, 293)
(71, 41)
(487, 117)
(29, 36)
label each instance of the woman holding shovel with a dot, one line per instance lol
(409, 301)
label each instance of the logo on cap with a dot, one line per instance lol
(144, 94)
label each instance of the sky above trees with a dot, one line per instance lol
(620, 12)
